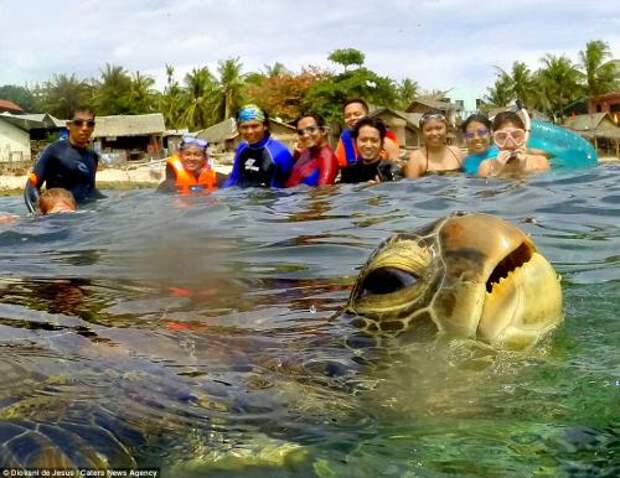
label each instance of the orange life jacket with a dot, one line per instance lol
(185, 180)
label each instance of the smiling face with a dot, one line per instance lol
(369, 144)
(478, 137)
(252, 131)
(353, 112)
(472, 276)
(309, 132)
(434, 132)
(193, 158)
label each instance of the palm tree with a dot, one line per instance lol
(407, 91)
(113, 91)
(173, 101)
(230, 87)
(142, 97)
(62, 94)
(502, 92)
(600, 77)
(200, 89)
(558, 84)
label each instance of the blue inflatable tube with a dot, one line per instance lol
(567, 149)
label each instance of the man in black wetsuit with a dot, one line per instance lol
(369, 135)
(67, 164)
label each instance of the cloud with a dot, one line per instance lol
(439, 43)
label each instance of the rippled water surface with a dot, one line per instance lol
(202, 336)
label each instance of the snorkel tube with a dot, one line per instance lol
(567, 150)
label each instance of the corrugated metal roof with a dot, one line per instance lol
(33, 121)
(129, 125)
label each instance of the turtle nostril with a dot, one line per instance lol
(387, 280)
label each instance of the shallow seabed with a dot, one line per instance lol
(202, 336)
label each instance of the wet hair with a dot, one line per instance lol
(82, 109)
(477, 118)
(48, 198)
(507, 117)
(320, 122)
(356, 100)
(376, 123)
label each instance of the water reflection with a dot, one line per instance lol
(206, 337)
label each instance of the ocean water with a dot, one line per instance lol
(203, 336)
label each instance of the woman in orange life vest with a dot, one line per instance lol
(189, 171)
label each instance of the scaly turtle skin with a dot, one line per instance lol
(470, 275)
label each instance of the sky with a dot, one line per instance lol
(441, 44)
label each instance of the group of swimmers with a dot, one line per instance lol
(367, 151)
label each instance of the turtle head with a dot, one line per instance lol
(468, 275)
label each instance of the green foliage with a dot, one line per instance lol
(501, 93)
(558, 84)
(113, 91)
(601, 77)
(21, 96)
(200, 102)
(407, 90)
(347, 57)
(328, 96)
(62, 94)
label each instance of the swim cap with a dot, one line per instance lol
(251, 113)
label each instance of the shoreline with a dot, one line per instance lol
(144, 177)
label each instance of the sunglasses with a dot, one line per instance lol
(80, 122)
(517, 136)
(480, 133)
(308, 130)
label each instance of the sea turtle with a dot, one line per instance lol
(467, 275)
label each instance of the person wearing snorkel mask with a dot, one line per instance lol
(513, 158)
(436, 156)
(189, 171)
(260, 160)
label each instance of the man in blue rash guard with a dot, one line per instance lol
(260, 160)
(67, 164)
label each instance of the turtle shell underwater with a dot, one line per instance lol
(467, 275)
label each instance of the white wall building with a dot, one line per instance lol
(14, 143)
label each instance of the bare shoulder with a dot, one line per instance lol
(415, 165)
(538, 162)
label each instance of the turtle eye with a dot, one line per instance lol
(386, 280)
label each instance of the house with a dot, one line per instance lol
(600, 129)
(423, 105)
(33, 129)
(608, 103)
(132, 136)
(10, 107)
(14, 143)
(224, 135)
(404, 125)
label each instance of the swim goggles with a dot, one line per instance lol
(308, 130)
(517, 135)
(480, 133)
(426, 117)
(193, 141)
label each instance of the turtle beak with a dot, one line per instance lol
(498, 288)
